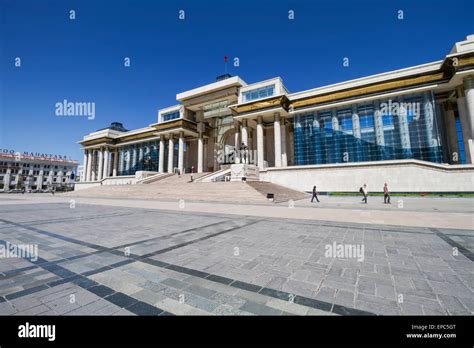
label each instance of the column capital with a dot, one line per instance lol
(260, 119)
(277, 116)
(469, 82)
(201, 127)
(244, 123)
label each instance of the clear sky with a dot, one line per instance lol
(82, 60)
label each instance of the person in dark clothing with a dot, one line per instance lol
(315, 195)
(386, 194)
(364, 192)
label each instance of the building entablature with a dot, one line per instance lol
(266, 108)
(234, 81)
(175, 127)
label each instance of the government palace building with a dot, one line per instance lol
(411, 128)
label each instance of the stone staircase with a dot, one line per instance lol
(281, 193)
(171, 179)
(177, 188)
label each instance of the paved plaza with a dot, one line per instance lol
(139, 257)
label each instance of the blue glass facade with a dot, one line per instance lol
(401, 128)
(144, 156)
(135, 157)
(462, 153)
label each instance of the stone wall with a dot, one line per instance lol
(401, 176)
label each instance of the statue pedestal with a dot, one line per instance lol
(241, 172)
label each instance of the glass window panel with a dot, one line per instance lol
(403, 136)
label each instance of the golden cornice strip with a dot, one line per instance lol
(187, 124)
(465, 61)
(107, 140)
(445, 72)
(265, 104)
(135, 137)
(370, 89)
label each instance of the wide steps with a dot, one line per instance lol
(178, 188)
(280, 193)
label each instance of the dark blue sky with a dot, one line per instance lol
(82, 60)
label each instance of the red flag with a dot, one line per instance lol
(225, 59)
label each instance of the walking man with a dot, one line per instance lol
(364, 192)
(315, 195)
(386, 194)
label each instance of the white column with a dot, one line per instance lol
(181, 153)
(89, 165)
(260, 155)
(237, 144)
(101, 164)
(245, 134)
(170, 154)
(277, 133)
(115, 166)
(94, 163)
(84, 167)
(127, 160)
(106, 163)
(140, 157)
(245, 141)
(161, 159)
(284, 156)
(200, 153)
(134, 160)
(253, 151)
(206, 144)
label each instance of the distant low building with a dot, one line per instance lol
(31, 170)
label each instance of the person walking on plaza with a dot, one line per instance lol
(364, 192)
(315, 195)
(386, 194)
